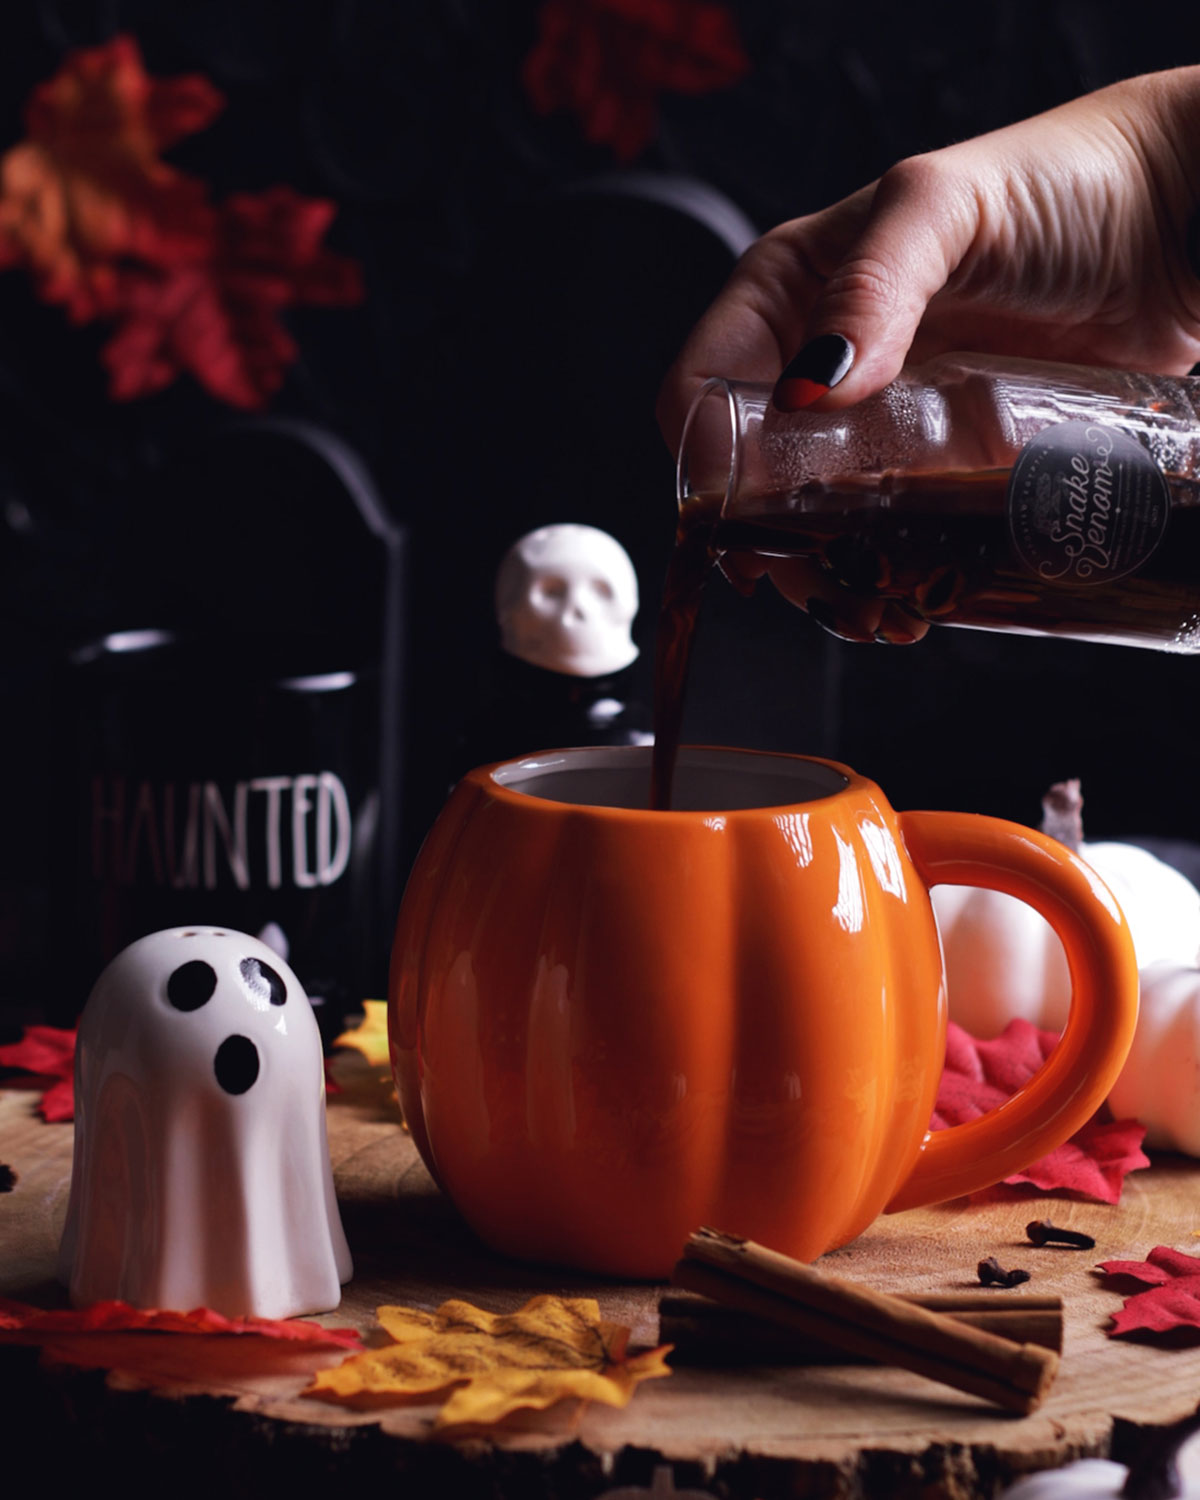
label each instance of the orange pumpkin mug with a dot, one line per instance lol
(610, 1026)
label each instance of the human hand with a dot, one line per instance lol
(1070, 236)
(1062, 237)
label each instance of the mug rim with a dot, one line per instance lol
(502, 779)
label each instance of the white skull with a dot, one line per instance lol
(565, 600)
(201, 1173)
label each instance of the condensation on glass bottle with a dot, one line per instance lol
(986, 492)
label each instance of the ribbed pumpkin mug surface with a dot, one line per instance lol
(610, 1026)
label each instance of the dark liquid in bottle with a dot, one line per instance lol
(938, 547)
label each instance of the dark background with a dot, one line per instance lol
(525, 292)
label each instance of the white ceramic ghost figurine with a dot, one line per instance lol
(566, 597)
(201, 1173)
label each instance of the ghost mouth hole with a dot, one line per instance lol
(236, 1064)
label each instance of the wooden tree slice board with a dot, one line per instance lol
(821, 1431)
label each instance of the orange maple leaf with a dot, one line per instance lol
(108, 229)
(87, 188)
(489, 1365)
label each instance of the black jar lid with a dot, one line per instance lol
(290, 661)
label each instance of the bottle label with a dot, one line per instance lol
(1086, 505)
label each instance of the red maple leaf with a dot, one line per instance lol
(978, 1076)
(181, 1346)
(607, 61)
(111, 1317)
(1174, 1298)
(21, 1323)
(218, 318)
(49, 1052)
(332, 1086)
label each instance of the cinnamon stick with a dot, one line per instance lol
(874, 1325)
(704, 1332)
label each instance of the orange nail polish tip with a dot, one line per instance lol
(816, 369)
(796, 393)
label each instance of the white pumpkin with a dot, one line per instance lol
(1160, 1472)
(1160, 1082)
(1003, 960)
(1085, 1479)
(1082, 1480)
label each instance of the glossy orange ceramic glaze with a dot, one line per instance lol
(611, 1026)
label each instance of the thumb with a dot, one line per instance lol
(921, 224)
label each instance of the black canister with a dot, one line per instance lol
(232, 753)
(232, 782)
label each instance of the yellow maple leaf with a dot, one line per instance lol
(491, 1364)
(371, 1037)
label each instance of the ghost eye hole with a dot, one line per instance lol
(602, 588)
(192, 985)
(551, 589)
(265, 986)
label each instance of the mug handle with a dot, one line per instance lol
(969, 849)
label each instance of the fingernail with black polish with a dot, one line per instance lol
(820, 365)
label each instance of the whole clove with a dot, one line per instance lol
(992, 1273)
(1042, 1232)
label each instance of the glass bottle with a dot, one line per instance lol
(979, 491)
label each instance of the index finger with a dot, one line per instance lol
(757, 321)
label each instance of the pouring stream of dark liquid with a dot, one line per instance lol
(937, 547)
(692, 560)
